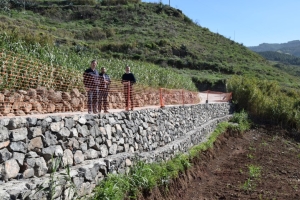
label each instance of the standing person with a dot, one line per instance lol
(91, 82)
(128, 80)
(103, 87)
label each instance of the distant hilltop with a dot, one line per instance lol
(291, 47)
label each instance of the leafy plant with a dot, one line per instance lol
(249, 185)
(254, 173)
(57, 180)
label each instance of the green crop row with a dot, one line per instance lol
(54, 58)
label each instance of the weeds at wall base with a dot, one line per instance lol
(144, 177)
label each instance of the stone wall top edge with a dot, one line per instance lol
(4, 121)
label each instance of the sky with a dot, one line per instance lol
(250, 22)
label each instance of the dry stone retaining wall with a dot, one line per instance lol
(41, 100)
(94, 145)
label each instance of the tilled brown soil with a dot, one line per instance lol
(223, 172)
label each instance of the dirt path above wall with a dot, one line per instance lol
(224, 171)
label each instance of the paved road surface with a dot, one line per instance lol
(212, 98)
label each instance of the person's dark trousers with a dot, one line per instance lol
(130, 92)
(103, 93)
(93, 101)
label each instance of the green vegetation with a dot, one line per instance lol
(254, 173)
(64, 78)
(280, 57)
(143, 177)
(164, 47)
(49, 187)
(266, 100)
(149, 32)
(242, 121)
(291, 47)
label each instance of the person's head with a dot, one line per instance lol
(103, 70)
(93, 64)
(127, 69)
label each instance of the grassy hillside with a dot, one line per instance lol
(291, 47)
(70, 35)
(281, 57)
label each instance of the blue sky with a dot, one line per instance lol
(250, 22)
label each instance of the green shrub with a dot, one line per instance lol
(266, 100)
(113, 187)
(242, 119)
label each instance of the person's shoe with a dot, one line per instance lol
(90, 112)
(106, 111)
(96, 112)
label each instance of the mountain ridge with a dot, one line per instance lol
(290, 47)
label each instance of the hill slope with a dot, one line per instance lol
(148, 32)
(280, 57)
(292, 47)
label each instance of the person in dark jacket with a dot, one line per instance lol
(103, 89)
(128, 80)
(91, 83)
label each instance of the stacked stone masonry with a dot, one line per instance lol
(95, 145)
(41, 100)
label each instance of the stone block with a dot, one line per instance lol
(19, 157)
(34, 132)
(78, 157)
(90, 154)
(103, 151)
(82, 130)
(82, 120)
(40, 167)
(102, 131)
(4, 144)
(3, 133)
(18, 147)
(94, 131)
(15, 123)
(69, 123)
(50, 138)
(108, 131)
(56, 126)
(32, 121)
(63, 133)
(5, 155)
(18, 134)
(35, 143)
(11, 169)
(4, 195)
(28, 173)
(31, 154)
(52, 151)
(74, 132)
(67, 157)
(113, 149)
